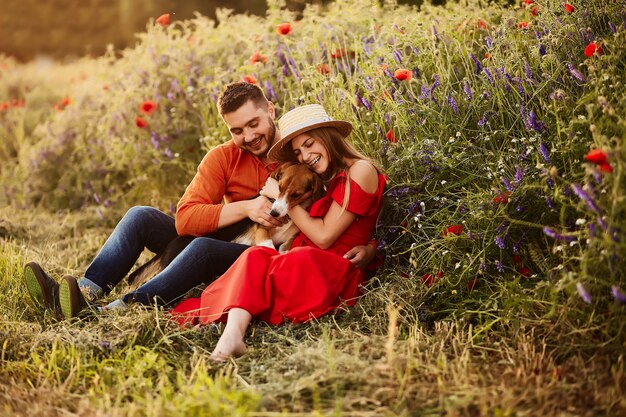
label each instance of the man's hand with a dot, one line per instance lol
(361, 256)
(270, 189)
(259, 212)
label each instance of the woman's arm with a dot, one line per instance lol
(324, 232)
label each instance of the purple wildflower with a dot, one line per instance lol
(435, 33)
(618, 295)
(452, 103)
(489, 42)
(99, 213)
(506, 183)
(592, 230)
(499, 242)
(436, 83)
(549, 202)
(582, 194)
(550, 182)
(537, 34)
(363, 101)
(519, 174)
(96, 198)
(537, 125)
(269, 90)
(416, 72)
(602, 223)
(528, 71)
(550, 232)
(482, 266)
(575, 73)
(483, 121)
(479, 66)
(584, 294)
(542, 50)
(398, 56)
(499, 266)
(544, 152)
(467, 90)
(489, 76)
(613, 27)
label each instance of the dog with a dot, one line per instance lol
(297, 185)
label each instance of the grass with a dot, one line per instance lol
(501, 289)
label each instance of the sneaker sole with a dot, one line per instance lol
(68, 294)
(35, 285)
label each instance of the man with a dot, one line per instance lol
(219, 195)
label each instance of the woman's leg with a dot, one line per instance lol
(231, 342)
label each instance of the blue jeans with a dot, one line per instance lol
(201, 262)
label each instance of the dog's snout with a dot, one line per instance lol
(274, 213)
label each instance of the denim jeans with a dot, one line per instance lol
(201, 262)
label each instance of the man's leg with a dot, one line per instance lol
(201, 262)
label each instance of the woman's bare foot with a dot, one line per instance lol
(230, 345)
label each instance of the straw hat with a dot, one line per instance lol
(302, 119)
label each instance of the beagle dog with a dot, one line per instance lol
(297, 185)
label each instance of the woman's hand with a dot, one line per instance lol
(361, 256)
(270, 189)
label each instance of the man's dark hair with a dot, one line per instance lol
(237, 94)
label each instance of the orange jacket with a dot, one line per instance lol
(226, 174)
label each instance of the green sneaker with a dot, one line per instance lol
(42, 289)
(71, 299)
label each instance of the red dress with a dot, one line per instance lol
(305, 282)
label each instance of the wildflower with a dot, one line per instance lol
(517, 259)
(163, 20)
(339, 53)
(323, 69)
(403, 74)
(455, 229)
(523, 271)
(501, 198)
(519, 174)
(556, 235)
(593, 48)
(283, 28)
(472, 283)
(584, 294)
(489, 42)
(467, 90)
(523, 25)
(4, 106)
(542, 50)
(597, 156)
(605, 168)
(141, 122)
(479, 66)
(534, 11)
(62, 104)
(391, 137)
(499, 266)
(528, 2)
(499, 242)
(618, 295)
(250, 79)
(428, 279)
(489, 76)
(258, 57)
(453, 105)
(544, 152)
(148, 107)
(398, 56)
(568, 8)
(613, 27)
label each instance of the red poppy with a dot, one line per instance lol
(534, 11)
(487, 55)
(403, 74)
(65, 102)
(472, 283)
(517, 259)
(140, 122)
(568, 8)
(283, 28)
(528, 2)
(148, 107)
(501, 198)
(339, 53)
(405, 275)
(605, 168)
(4, 106)
(455, 229)
(323, 69)
(428, 279)
(523, 25)
(482, 24)
(163, 20)
(593, 48)
(391, 137)
(250, 79)
(17, 103)
(597, 156)
(258, 57)
(523, 271)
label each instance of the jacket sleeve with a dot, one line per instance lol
(199, 208)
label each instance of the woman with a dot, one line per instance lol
(312, 278)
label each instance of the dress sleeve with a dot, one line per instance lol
(360, 202)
